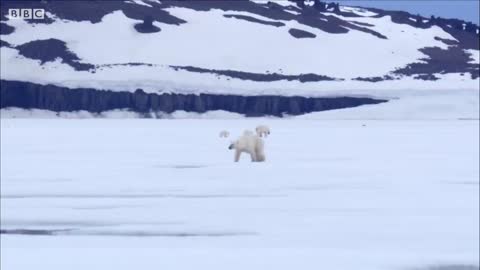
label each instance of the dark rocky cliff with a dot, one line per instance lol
(49, 97)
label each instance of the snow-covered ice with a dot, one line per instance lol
(165, 194)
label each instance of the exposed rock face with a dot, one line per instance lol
(324, 22)
(254, 20)
(49, 50)
(6, 29)
(273, 49)
(440, 61)
(300, 33)
(147, 26)
(259, 77)
(28, 95)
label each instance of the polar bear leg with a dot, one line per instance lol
(253, 155)
(260, 155)
(259, 150)
(237, 155)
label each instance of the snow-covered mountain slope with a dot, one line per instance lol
(238, 48)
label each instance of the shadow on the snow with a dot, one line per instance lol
(72, 232)
(135, 196)
(182, 166)
(33, 231)
(473, 183)
(450, 267)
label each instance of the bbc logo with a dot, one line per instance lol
(26, 13)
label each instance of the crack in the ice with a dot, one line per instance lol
(134, 196)
(451, 267)
(465, 183)
(32, 231)
(72, 232)
(182, 166)
(77, 223)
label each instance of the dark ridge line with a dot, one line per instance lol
(447, 41)
(28, 95)
(374, 79)
(259, 77)
(253, 20)
(426, 77)
(362, 23)
(467, 40)
(352, 26)
(133, 64)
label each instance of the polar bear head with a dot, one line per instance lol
(232, 145)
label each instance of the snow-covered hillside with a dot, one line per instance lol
(238, 48)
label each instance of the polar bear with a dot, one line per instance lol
(224, 134)
(262, 130)
(249, 143)
(248, 133)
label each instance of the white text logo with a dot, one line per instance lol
(26, 13)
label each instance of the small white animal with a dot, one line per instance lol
(263, 131)
(251, 144)
(224, 134)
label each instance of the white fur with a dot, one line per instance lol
(251, 144)
(224, 134)
(262, 131)
(247, 133)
